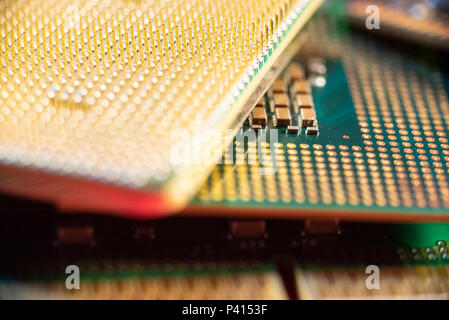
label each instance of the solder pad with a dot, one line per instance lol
(382, 152)
(91, 93)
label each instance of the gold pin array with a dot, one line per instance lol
(403, 157)
(257, 285)
(94, 88)
(333, 174)
(396, 283)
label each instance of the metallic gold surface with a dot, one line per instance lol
(93, 89)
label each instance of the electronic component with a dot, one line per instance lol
(283, 118)
(228, 259)
(260, 103)
(295, 72)
(372, 159)
(75, 235)
(278, 86)
(312, 130)
(300, 87)
(307, 117)
(280, 100)
(89, 94)
(248, 229)
(286, 88)
(256, 127)
(259, 116)
(304, 100)
(292, 129)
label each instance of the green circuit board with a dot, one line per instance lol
(412, 261)
(381, 152)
